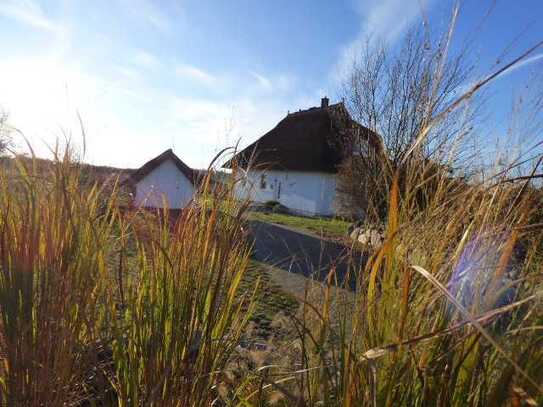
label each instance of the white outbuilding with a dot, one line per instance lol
(163, 181)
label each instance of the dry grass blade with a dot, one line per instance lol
(477, 325)
(376, 353)
(455, 104)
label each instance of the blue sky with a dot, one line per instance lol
(147, 75)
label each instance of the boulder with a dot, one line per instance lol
(355, 233)
(367, 236)
(371, 237)
(353, 227)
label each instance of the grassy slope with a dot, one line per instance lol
(301, 288)
(271, 299)
(330, 227)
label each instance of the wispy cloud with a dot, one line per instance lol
(262, 80)
(148, 12)
(385, 20)
(390, 18)
(285, 82)
(277, 83)
(145, 59)
(522, 63)
(192, 110)
(128, 73)
(29, 13)
(212, 124)
(158, 21)
(528, 61)
(194, 73)
(113, 79)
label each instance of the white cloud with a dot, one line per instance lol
(128, 73)
(285, 82)
(522, 63)
(29, 13)
(127, 120)
(159, 22)
(192, 111)
(279, 83)
(383, 20)
(192, 73)
(37, 95)
(145, 59)
(148, 12)
(528, 61)
(262, 80)
(203, 127)
(43, 97)
(128, 113)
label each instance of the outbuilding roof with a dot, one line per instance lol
(149, 166)
(307, 140)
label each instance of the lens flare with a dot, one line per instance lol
(475, 272)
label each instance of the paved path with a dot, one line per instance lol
(300, 252)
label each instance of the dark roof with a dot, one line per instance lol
(149, 166)
(307, 140)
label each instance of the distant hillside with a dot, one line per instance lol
(90, 172)
(98, 173)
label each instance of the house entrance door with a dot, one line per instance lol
(277, 190)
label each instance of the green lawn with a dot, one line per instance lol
(330, 227)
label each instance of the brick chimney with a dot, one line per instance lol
(324, 102)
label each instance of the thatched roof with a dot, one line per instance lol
(307, 140)
(149, 166)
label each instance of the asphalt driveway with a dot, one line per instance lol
(303, 253)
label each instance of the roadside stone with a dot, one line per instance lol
(366, 236)
(353, 227)
(371, 237)
(355, 233)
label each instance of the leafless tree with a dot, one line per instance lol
(5, 132)
(396, 93)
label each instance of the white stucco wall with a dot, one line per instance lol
(310, 193)
(164, 182)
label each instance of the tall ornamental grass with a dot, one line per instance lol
(183, 311)
(448, 310)
(54, 240)
(105, 304)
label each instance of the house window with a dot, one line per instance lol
(263, 184)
